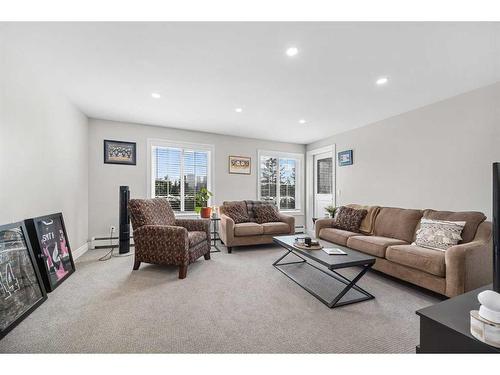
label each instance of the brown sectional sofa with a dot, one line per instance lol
(252, 233)
(457, 270)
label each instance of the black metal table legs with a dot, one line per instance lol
(337, 290)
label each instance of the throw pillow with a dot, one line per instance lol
(266, 213)
(439, 234)
(236, 212)
(349, 219)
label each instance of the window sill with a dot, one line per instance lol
(292, 212)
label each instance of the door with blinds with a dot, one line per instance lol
(323, 183)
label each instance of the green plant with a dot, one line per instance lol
(201, 198)
(331, 210)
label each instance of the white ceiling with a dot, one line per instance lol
(203, 71)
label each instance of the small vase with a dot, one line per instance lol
(206, 212)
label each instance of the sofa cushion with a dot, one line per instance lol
(472, 220)
(368, 223)
(373, 245)
(397, 223)
(420, 258)
(237, 211)
(248, 229)
(266, 213)
(251, 205)
(439, 234)
(335, 235)
(196, 237)
(349, 219)
(276, 228)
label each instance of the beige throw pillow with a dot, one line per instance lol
(439, 234)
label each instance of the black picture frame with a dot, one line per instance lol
(120, 152)
(345, 158)
(49, 248)
(21, 286)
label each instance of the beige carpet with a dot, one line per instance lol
(234, 303)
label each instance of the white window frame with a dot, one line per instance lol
(298, 182)
(154, 142)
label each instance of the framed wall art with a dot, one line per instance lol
(21, 285)
(118, 152)
(240, 165)
(51, 247)
(345, 158)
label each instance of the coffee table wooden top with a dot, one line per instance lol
(353, 257)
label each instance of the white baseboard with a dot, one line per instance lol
(80, 251)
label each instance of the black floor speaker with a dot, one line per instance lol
(124, 230)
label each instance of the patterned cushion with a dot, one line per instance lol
(439, 234)
(252, 205)
(196, 237)
(266, 213)
(349, 219)
(156, 211)
(237, 212)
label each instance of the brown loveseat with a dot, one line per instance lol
(457, 270)
(251, 233)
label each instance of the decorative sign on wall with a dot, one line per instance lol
(51, 246)
(345, 158)
(118, 152)
(21, 286)
(240, 165)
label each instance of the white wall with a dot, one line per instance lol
(438, 156)
(43, 149)
(105, 179)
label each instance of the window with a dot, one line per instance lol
(178, 171)
(279, 179)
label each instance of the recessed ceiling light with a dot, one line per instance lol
(302, 121)
(292, 51)
(382, 81)
(239, 110)
(155, 95)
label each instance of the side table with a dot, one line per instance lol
(214, 232)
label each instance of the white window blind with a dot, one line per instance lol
(178, 173)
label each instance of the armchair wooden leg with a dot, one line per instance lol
(207, 256)
(229, 249)
(136, 264)
(183, 271)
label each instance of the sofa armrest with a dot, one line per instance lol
(162, 244)
(290, 220)
(226, 232)
(469, 265)
(192, 225)
(320, 224)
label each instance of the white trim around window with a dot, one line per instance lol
(299, 177)
(154, 142)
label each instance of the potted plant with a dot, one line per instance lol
(200, 203)
(331, 210)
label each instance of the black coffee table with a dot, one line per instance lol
(320, 277)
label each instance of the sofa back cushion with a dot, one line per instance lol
(397, 223)
(368, 223)
(236, 210)
(472, 220)
(155, 211)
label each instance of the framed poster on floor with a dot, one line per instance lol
(21, 285)
(51, 247)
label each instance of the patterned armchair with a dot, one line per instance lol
(160, 238)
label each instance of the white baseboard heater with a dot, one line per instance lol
(106, 242)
